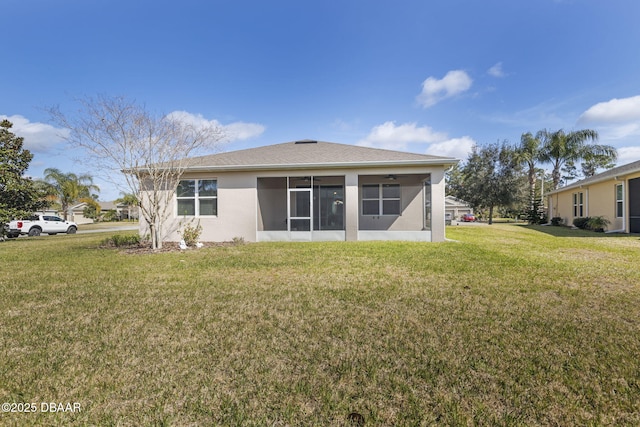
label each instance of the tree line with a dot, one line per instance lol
(505, 176)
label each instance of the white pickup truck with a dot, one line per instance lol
(37, 224)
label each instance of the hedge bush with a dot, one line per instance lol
(594, 223)
(556, 220)
(581, 223)
(121, 240)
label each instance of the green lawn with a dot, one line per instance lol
(507, 325)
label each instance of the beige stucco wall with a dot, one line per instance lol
(79, 218)
(600, 200)
(237, 206)
(238, 203)
(562, 206)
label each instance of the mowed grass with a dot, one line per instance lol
(507, 325)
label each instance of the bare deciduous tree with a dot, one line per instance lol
(120, 135)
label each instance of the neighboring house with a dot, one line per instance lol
(76, 214)
(310, 191)
(108, 206)
(455, 208)
(613, 194)
(123, 211)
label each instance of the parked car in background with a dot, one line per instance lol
(468, 218)
(37, 224)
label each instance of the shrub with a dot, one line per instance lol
(594, 223)
(110, 215)
(122, 240)
(581, 223)
(191, 234)
(556, 220)
(597, 223)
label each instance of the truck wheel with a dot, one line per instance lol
(71, 230)
(35, 231)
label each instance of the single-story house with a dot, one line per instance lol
(613, 194)
(311, 191)
(122, 211)
(455, 208)
(76, 213)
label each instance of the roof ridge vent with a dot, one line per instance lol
(306, 141)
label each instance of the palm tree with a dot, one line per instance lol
(128, 200)
(69, 187)
(529, 154)
(560, 148)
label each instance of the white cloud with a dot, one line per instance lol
(38, 137)
(42, 137)
(234, 131)
(615, 120)
(496, 70)
(613, 111)
(434, 90)
(242, 130)
(398, 137)
(456, 147)
(628, 155)
(392, 137)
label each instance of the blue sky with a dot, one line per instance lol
(423, 76)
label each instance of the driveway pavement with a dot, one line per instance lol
(107, 229)
(468, 223)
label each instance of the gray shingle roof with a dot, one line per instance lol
(307, 153)
(608, 174)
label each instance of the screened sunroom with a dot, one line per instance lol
(316, 207)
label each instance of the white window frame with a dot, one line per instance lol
(381, 199)
(619, 201)
(197, 198)
(578, 205)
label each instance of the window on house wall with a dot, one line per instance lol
(427, 204)
(619, 201)
(578, 205)
(197, 197)
(381, 199)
